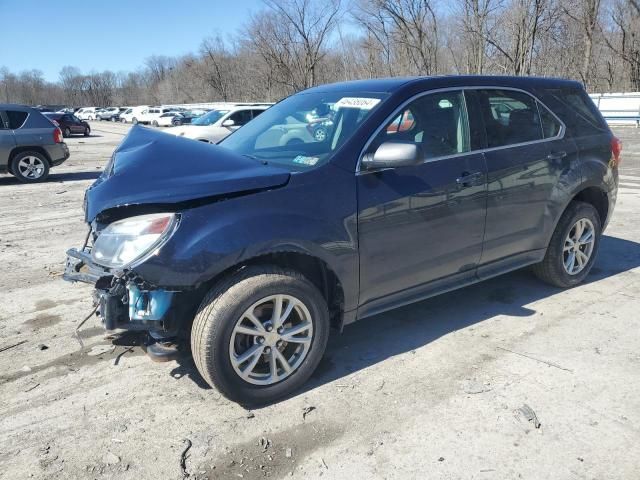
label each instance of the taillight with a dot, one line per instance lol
(616, 151)
(57, 136)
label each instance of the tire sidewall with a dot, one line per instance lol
(580, 211)
(226, 379)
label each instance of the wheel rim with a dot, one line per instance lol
(320, 135)
(271, 340)
(31, 167)
(578, 246)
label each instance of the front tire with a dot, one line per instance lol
(154, 123)
(30, 167)
(66, 133)
(573, 247)
(87, 132)
(134, 120)
(249, 352)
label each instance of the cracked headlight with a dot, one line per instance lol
(132, 239)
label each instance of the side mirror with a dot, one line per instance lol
(228, 123)
(392, 155)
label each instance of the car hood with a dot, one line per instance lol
(151, 167)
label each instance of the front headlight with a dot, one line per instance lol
(131, 239)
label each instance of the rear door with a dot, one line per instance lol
(525, 156)
(7, 141)
(421, 226)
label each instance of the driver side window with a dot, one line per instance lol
(436, 122)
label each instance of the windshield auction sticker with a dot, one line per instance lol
(357, 102)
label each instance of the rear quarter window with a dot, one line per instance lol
(578, 112)
(16, 118)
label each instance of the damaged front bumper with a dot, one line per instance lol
(123, 299)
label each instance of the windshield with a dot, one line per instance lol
(303, 130)
(210, 118)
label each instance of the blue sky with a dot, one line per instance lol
(110, 34)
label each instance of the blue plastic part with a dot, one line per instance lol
(148, 305)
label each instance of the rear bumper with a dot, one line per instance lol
(124, 301)
(58, 153)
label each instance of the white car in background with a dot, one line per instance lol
(151, 115)
(166, 119)
(215, 125)
(86, 113)
(131, 115)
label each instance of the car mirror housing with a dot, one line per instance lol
(392, 155)
(228, 123)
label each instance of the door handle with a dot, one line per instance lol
(469, 179)
(556, 155)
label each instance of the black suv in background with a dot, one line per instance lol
(255, 247)
(30, 144)
(69, 124)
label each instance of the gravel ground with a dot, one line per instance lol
(502, 380)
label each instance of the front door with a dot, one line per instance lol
(421, 224)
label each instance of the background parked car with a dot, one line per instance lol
(69, 124)
(108, 113)
(217, 124)
(167, 119)
(150, 116)
(187, 117)
(86, 113)
(131, 115)
(30, 144)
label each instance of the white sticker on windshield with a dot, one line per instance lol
(304, 160)
(357, 102)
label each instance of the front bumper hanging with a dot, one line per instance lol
(123, 300)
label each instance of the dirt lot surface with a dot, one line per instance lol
(450, 388)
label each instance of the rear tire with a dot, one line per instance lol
(87, 132)
(154, 123)
(215, 340)
(30, 167)
(134, 120)
(578, 219)
(66, 133)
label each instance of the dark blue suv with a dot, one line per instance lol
(256, 247)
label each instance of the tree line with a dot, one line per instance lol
(290, 45)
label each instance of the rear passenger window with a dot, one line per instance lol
(510, 117)
(550, 125)
(16, 119)
(437, 122)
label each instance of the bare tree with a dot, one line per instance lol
(291, 36)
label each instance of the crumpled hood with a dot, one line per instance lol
(151, 167)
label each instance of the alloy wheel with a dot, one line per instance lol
(271, 339)
(578, 246)
(31, 167)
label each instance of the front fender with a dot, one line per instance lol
(302, 218)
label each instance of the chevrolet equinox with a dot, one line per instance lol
(252, 249)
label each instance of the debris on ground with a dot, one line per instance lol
(264, 443)
(473, 387)
(250, 415)
(183, 458)
(306, 411)
(33, 387)
(110, 458)
(288, 453)
(42, 346)
(101, 350)
(530, 415)
(4, 349)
